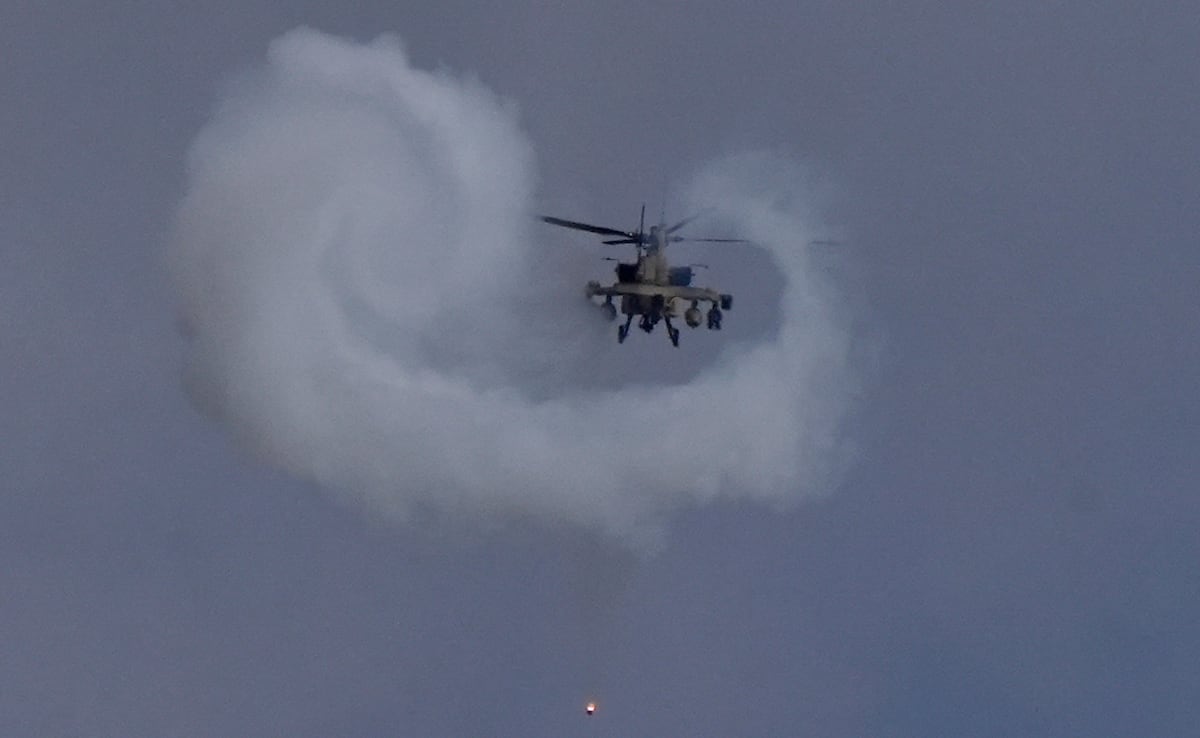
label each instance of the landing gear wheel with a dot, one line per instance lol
(622, 332)
(726, 302)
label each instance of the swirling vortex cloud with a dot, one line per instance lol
(368, 304)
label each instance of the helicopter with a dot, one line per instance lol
(650, 287)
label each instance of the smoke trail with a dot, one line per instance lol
(368, 304)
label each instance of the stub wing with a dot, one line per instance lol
(595, 289)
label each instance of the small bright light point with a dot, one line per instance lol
(590, 708)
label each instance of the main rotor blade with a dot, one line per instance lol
(622, 240)
(586, 227)
(687, 220)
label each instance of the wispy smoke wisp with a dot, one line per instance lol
(368, 304)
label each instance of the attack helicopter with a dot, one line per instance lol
(649, 287)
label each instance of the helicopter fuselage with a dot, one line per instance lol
(654, 290)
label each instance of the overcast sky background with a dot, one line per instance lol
(1013, 552)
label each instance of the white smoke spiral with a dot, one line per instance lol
(368, 304)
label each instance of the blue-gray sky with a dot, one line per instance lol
(1011, 553)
